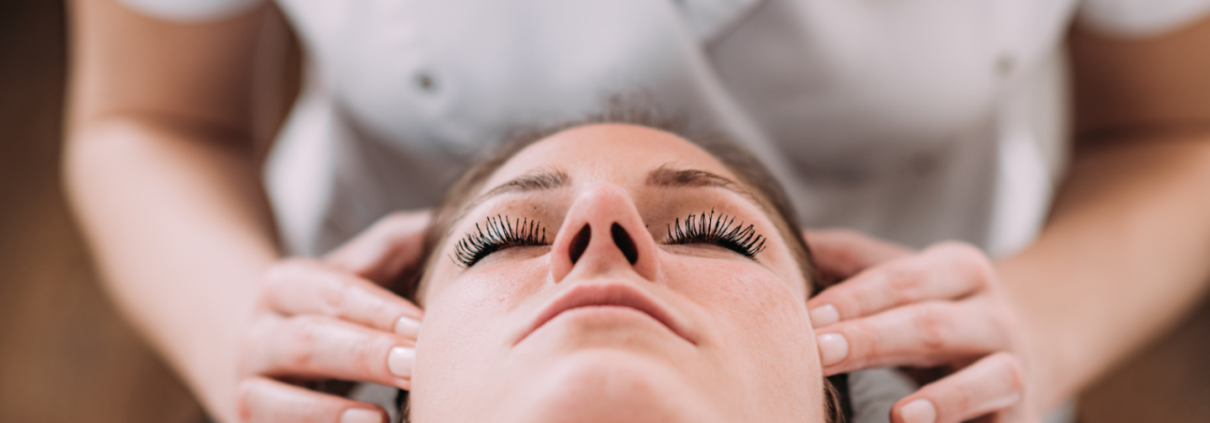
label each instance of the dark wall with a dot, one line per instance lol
(65, 355)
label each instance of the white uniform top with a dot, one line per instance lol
(916, 121)
(912, 120)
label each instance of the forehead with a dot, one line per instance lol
(617, 153)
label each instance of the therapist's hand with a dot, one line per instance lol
(332, 319)
(940, 309)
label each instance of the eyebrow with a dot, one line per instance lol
(541, 180)
(664, 176)
(667, 177)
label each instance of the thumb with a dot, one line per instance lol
(382, 252)
(840, 254)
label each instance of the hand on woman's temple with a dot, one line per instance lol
(941, 307)
(332, 319)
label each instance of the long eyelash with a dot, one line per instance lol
(719, 229)
(495, 235)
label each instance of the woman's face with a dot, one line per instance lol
(561, 295)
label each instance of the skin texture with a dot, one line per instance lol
(161, 169)
(742, 347)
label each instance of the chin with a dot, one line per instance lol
(609, 385)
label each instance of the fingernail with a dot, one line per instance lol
(918, 411)
(833, 348)
(824, 315)
(407, 326)
(400, 361)
(361, 415)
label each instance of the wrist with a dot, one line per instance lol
(1052, 375)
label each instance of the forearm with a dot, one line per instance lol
(181, 234)
(1122, 257)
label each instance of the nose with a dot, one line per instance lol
(603, 234)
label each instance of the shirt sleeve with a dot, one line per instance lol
(191, 10)
(1140, 18)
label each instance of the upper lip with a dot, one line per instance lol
(607, 294)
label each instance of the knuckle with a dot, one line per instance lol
(369, 356)
(962, 399)
(903, 282)
(245, 399)
(300, 345)
(933, 328)
(952, 398)
(382, 314)
(969, 261)
(864, 345)
(1015, 370)
(900, 279)
(335, 295)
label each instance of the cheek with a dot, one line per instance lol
(480, 299)
(756, 322)
(746, 301)
(740, 294)
(467, 323)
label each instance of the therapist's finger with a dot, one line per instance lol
(305, 287)
(920, 335)
(945, 271)
(841, 253)
(994, 384)
(311, 346)
(262, 400)
(382, 252)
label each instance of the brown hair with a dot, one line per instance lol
(752, 174)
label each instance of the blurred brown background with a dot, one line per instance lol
(67, 356)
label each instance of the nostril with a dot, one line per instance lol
(622, 239)
(579, 244)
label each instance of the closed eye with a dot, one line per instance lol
(497, 233)
(718, 229)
